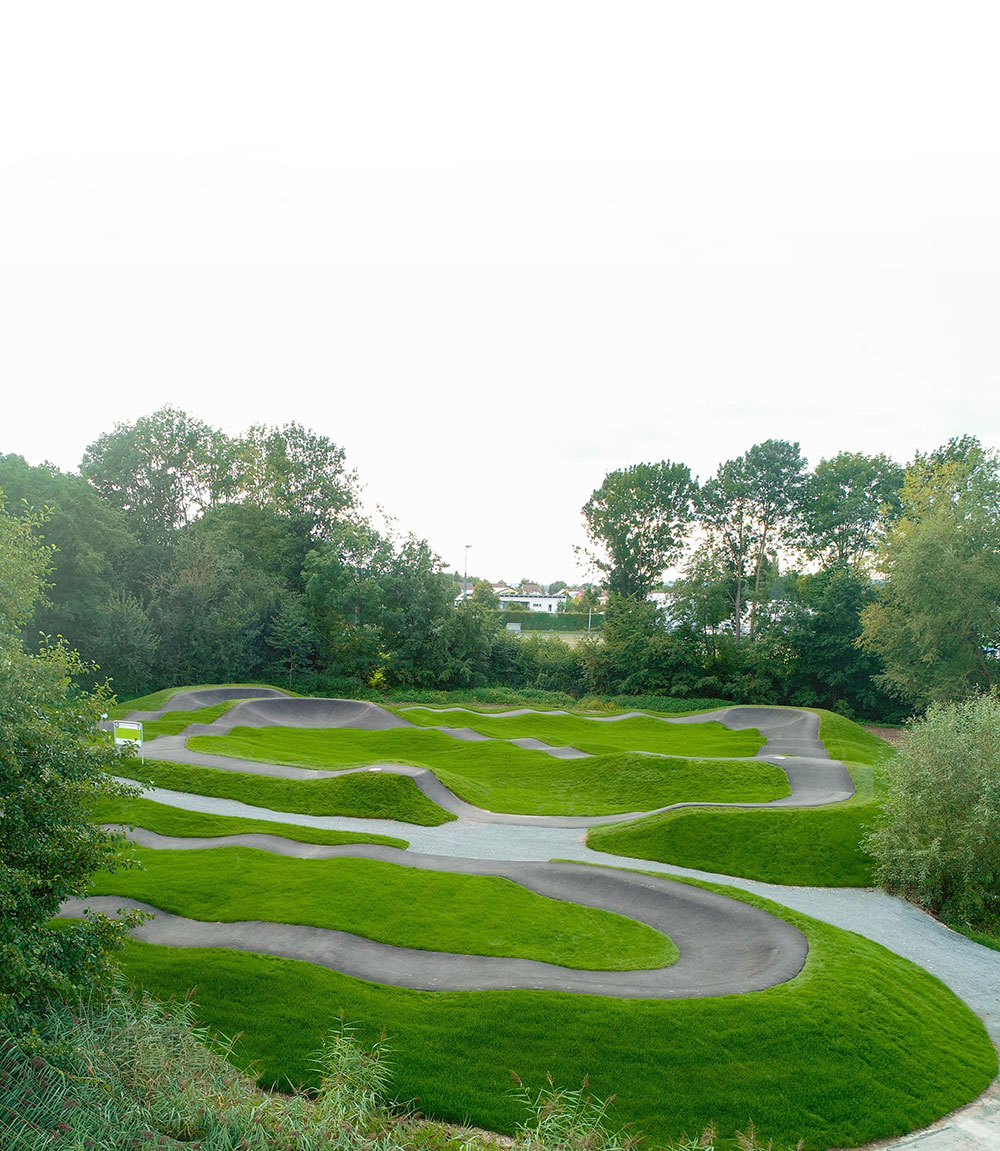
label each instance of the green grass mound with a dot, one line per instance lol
(174, 722)
(639, 733)
(427, 910)
(156, 699)
(810, 846)
(501, 777)
(805, 846)
(846, 740)
(862, 1045)
(365, 795)
(166, 820)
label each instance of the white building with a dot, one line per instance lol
(530, 601)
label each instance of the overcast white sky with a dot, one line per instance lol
(497, 251)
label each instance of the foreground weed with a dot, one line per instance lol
(564, 1118)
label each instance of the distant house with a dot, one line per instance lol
(523, 600)
(465, 589)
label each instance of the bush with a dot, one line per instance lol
(937, 843)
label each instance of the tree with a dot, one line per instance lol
(163, 469)
(91, 548)
(937, 842)
(845, 502)
(290, 633)
(125, 643)
(936, 620)
(52, 767)
(212, 611)
(484, 594)
(637, 521)
(830, 669)
(295, 471)
(745, 508)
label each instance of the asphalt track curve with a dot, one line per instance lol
(814, 779)
(207, 697)
(759, 950)
(726, 947)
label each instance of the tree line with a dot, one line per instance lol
(180, 554)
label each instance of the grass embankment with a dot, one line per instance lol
(428, 910)
(365, 795)
(819, 846)
(862, 1045)
(599, 736)
(174, 722)
(156, 699)
(501, 777)
(167, 820)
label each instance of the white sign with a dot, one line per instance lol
(129, 731)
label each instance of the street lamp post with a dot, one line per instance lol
(465, 579)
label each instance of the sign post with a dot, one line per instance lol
(129, 731)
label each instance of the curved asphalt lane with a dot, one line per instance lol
(971, 971)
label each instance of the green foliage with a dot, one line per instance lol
(158, 469)
(934, 624)
(746, 508)
(52, 765)
(213, 611)
(402, 906)
(130, 1072)
(845, 501)
(381, 602)
(937, 843)
(637, 521)
(91, 553)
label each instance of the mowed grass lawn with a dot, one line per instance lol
(861, 1045)
(174, 722)
(167, 820)
(812, 846)
(365, 795)
(597, 736)
(157, 699)
(501, 777)
(390, 903)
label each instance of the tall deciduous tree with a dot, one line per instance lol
(160, 468)
(846, 501)
(936, 622)
(745, 509)
(295, 471)
(92, 549)
(637, 521)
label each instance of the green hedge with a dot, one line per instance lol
(553, 621)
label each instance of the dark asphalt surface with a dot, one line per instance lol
(760, 950)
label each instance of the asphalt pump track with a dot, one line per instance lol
(725, 946)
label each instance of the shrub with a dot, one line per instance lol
(937, 842)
